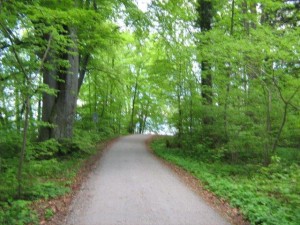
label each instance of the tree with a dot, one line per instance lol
(205, 12)
(67, 64)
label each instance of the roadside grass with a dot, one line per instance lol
(44, 179)
(265, 195)
(49, 172)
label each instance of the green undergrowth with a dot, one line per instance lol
(265, 195)
(49, 170)
(43, 179)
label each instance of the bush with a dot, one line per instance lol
(10, 145)
(45, 190)
(44, 150)
(17, 213)
(45, 173)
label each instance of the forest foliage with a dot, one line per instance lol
(221, 76)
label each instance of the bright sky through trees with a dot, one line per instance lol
(224, 75)
(143, 4)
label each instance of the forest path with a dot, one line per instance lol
(131, 187)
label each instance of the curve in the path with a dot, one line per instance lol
(131, 187)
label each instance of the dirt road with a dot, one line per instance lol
(131, 187)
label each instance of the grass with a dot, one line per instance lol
(265, 195)
(43, 179)
(49, 172)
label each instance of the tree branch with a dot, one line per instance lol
(46, 53)
(9, 35)
(281, 95)
(83, 70)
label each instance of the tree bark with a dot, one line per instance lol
(23, 149)
(206, 83)
(228, 72)
(275, 143)
(131, 125)
(59, 110)
(204, 22)
(83, 60)
(268, 141)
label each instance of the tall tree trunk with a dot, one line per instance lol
(143, 117)
(49, 78)
(204, 22)
(275, 143)
(18, 111)
(191, 119)
(59, 110)
(120, 118)
(135, 93)
(23, 149)
(206, 83)
(228, 72)
(180, 124)
(268, 141)
(90, 98)
(39, 109)
(83, 61)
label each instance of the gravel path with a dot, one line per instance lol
(131, 187)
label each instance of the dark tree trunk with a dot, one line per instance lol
(145, 117)
(204, 22)
(205, 15)
(49, 78)
(135, 94)
(84, 60)
(206, 83)
(23, 149)
(180, 122)
(59, 110)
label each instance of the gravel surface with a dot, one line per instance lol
(131, 187)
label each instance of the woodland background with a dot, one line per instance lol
(221, 76)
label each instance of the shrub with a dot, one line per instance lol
(44, 150)
(17, 213)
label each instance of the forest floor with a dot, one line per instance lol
(132, 186)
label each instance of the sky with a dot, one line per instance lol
(143, 4)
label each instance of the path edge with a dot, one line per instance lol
(231, 214)
(61, 205)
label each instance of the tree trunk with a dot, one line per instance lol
(135, 93)
(206, 83)
(23, 149)
(286, 102)
(83, 61)
(275, 143)
(18, 111)
(228, 72)
(204, 22)
(180, 123)
(268, 141)
(205, 16)
(59, 110)
(145, 119)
